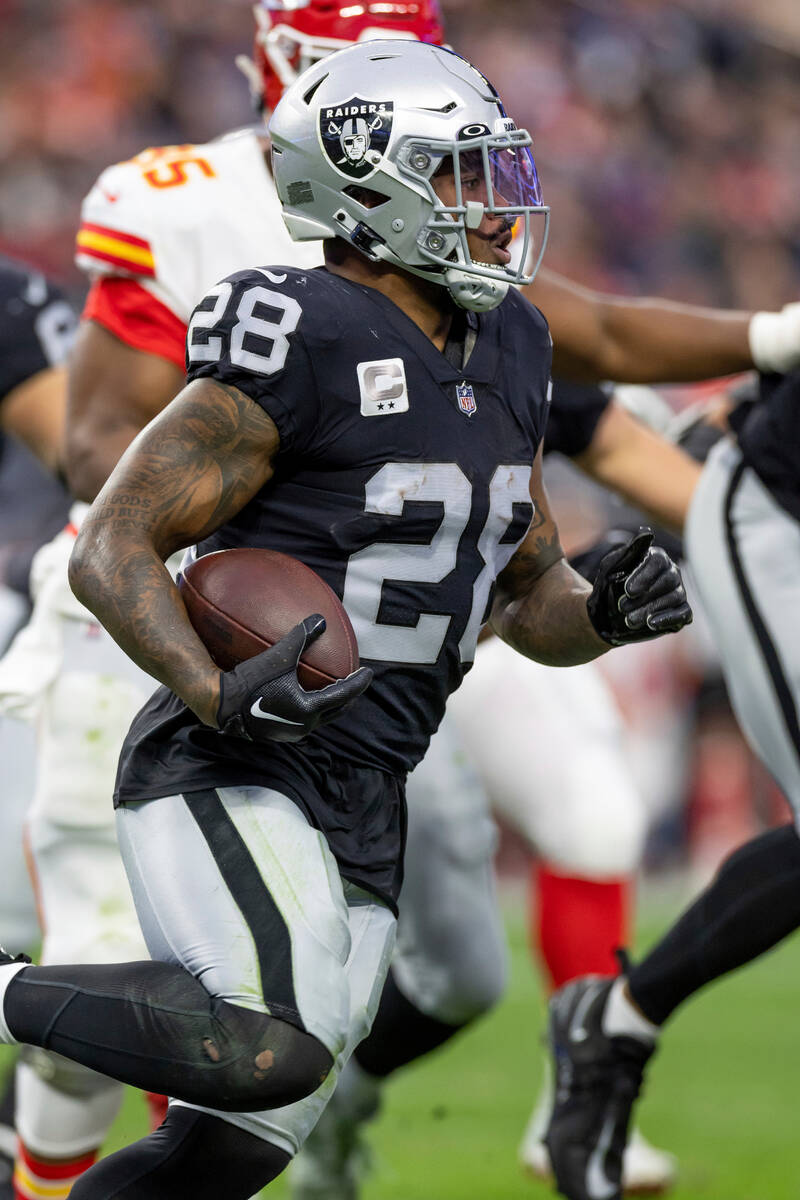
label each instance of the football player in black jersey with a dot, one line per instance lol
(743, 543)
(36, 329)
(358, 417)
(37, 325)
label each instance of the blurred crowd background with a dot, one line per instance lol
(666, 137)
(666, 133)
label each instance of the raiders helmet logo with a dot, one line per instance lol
(355, 134)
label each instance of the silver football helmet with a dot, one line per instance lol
(358, 141)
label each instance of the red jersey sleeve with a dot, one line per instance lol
(137, 318)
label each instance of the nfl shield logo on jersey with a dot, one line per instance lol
(355, 134)
(466, 398)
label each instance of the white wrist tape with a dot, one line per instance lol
(774, 339)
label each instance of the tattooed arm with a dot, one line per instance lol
(188, 472)
(540, 602)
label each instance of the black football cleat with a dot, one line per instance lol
(6, 958)
(597, 1080)
(10, 960)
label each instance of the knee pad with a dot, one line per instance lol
(457, 992)
(452, 964)
(596, 832)
(63, 1110)
(268, 1062)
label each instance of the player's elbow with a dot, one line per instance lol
(84, 569)
(76, 572)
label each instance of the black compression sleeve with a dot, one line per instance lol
(153, 1025)
(191, 1154)
(400, 1034)
(752, 904)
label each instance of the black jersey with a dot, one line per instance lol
(768, 433)
(401, 479)
(575, 412)
(37, 324)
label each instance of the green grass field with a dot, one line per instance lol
(721, 1095)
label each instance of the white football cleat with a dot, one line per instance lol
(646, 1170)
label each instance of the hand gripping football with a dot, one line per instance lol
(243, 601)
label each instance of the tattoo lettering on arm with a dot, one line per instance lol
(540, 602)
(538, 552)
(188, 472)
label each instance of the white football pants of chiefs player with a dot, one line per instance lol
(68, 675)
(548, 744)
(744, 552)
(545, 746)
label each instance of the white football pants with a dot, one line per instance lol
(341, 937)
(744, 553)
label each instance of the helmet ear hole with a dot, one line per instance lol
(366, 197)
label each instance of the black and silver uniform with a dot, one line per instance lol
(37, 326)
(575, 413)
(402, 479)
(768, 433)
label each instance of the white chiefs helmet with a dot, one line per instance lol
(358, 139)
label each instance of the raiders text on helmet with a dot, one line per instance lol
(358, 141)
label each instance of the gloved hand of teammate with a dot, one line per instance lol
(638, 593)
(262, 700)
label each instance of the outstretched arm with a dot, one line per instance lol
(642, 467)
(190, 470)
(597, 336)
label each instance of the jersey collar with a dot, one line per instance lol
(482, 365)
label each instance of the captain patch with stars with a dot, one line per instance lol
(355, 134)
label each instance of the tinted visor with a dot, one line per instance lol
(512, 181)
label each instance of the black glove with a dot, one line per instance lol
(262, 700)
(638, 593)
(586, 561)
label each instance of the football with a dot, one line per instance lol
(244, 600)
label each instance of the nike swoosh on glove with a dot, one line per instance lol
(261, 700)
(638, 593)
